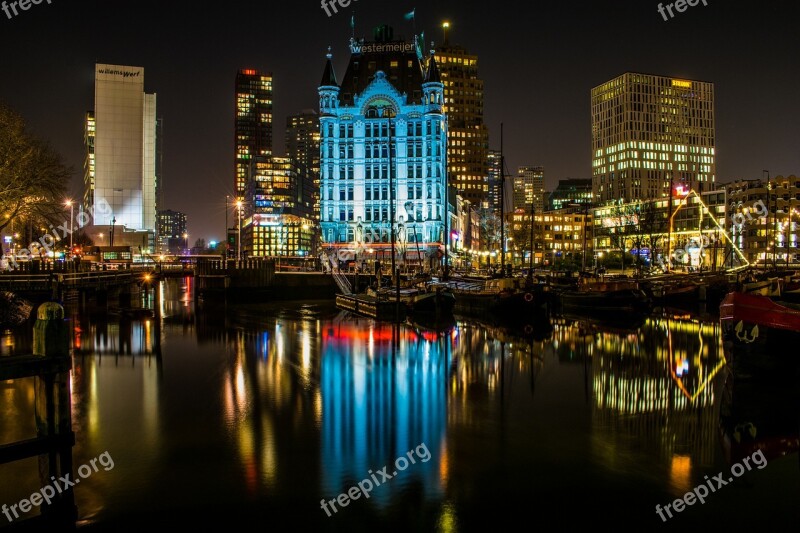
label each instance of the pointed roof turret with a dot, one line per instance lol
(432, 74)
(329, 76)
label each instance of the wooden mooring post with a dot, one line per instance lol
(49, 365)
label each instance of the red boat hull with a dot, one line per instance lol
(760, 311)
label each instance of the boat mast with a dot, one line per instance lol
(502, 206)
(530, 268)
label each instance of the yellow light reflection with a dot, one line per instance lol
(680, 472)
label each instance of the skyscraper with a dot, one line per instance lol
(529, 188)
(89, 163)
(494, 181)
(467, 136)
(170, 230)
(253, 122)
(120, 137)
(302, 145)
(650, 133)
(383, 151)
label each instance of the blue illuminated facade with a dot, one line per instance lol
(383, 152)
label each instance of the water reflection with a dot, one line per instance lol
(654, 393)
(383, 394)
(286, 404)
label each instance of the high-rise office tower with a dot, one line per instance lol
(383, 151)
(302, 145)
(253, 122)
(89, 162)
(123, 146)
(467, 135)
(650, 133)
(529, 188)
(494, 181)
(171, 228)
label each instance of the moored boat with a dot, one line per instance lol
(431, 299)
(503, 297)
(753, 319)
(605, 296)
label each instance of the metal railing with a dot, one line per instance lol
(341, 280)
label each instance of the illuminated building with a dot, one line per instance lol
(494, 181)
(253, 122)
(302, 145)
(89, 163)
(170, 229)
(698, 235)
(277, 216)
(383, 137)
(121, 141)
(558, 236)
(765, 227)
(649, 132)
(571, 191)
(529, 188)
(468, 136)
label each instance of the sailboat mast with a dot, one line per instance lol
(502, 205)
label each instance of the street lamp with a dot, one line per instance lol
(227, 244)
(185, 243)
(71, 205)
(239, 238)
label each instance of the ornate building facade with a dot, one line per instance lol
(383, 153)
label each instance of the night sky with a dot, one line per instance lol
(538, 66)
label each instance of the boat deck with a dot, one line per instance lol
(371, 306)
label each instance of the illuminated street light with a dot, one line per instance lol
(239, 239)
(71, 205)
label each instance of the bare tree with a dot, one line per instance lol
(490, 229)
(653, 224)
(33, 178)
(624, 221)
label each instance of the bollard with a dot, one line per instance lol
(50, 333)
(52, 401)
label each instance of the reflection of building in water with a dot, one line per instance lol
(272, 403)
(656, 388)
(380, 402)
(121, 337)
(482, 356)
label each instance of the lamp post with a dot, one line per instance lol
(71, 206)
(239, 232)
(227, 242)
